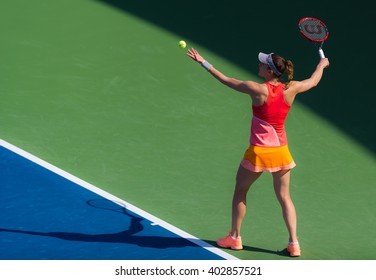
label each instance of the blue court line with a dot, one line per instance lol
(49, 214)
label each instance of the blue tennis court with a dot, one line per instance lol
(48, 214)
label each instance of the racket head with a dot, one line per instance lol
(105, 204)
(313, 29)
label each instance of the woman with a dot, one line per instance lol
(268, 150)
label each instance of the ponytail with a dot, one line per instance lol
(290, 73)
(284, 65)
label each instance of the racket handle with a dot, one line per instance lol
(321, 53)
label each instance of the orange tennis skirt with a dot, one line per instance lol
(267, 159)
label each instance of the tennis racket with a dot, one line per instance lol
(314, 30)
(105, 204)
(119, 207)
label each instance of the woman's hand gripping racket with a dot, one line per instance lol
(314, 30)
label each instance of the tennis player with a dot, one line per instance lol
(268, 150)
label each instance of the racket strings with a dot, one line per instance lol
(313, 30)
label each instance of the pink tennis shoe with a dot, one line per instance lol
(294, 249)
(230, 242)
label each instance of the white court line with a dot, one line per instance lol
(111, 197)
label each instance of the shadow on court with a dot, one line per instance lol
(238, 30)
(125, 236)
(128, 236)
(282, 253)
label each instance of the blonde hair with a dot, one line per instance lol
(284, 65)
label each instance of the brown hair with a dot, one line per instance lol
(283, 65)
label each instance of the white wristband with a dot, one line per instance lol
(206, 65)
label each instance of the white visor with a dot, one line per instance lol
(267, 59)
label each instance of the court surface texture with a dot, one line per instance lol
(100, 91)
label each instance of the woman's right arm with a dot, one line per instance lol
(304, 85)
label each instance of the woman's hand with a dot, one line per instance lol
(324, 62)
(192, 53)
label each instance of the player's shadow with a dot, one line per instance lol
(129, 236)
(132, 235)
(282, 253)
(125, 236)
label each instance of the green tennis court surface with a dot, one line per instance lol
(101, 90)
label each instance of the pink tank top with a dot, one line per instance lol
(268, 122)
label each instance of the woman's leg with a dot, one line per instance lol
(281, 180)
(244, 180)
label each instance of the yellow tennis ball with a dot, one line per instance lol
(182, 44)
